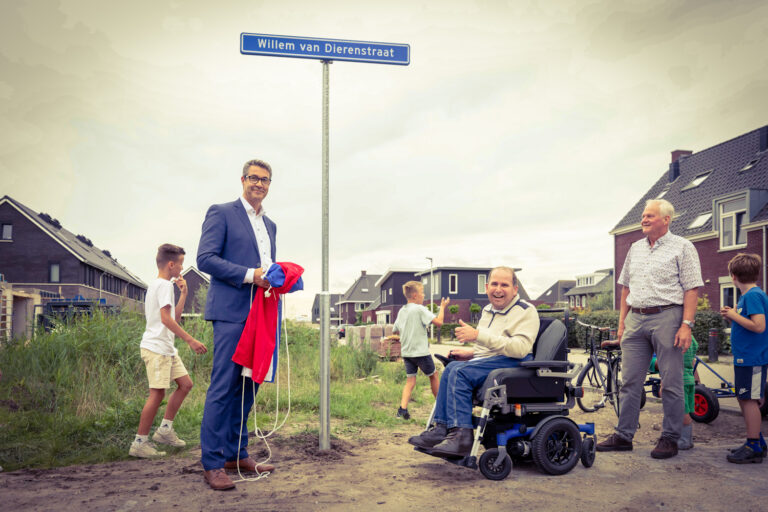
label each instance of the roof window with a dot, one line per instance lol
(698, 180)
(700, 220)
(750, 165)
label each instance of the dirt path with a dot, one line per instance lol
(380, 471)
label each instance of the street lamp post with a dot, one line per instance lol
(431, 296)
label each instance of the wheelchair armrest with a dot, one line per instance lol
(546, 364)
(444, 360)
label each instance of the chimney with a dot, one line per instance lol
(674, 166)
(680, 153)
(362, 273)
(763, 138)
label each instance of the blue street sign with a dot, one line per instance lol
(325, 49)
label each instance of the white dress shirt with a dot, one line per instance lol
(262, 238)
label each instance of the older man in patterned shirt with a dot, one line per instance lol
(660, 280)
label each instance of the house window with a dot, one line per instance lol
(383, 296)
(698, 180)
(662, 193)
(700, 220)
(53, 273)
(453, 283)
(6, 232)
(359, 306)
(732, 215)
(578, 301)
(729, 295)
(481, 279)
(436, 284)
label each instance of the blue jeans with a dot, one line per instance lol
(457, 384)
(220, 429)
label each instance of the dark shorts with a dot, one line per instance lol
(749, 381)
(424, 363)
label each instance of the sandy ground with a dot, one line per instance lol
(378, 470)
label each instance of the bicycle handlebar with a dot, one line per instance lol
(589, 326)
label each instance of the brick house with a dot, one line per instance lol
(39, 256)
(358, 297)
(195, 280)
(390, 290)
(720, 195)
(555, 295)
(335, 319)
(589, 286)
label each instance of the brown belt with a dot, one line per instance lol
(654, 309)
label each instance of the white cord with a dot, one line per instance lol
(275, 426)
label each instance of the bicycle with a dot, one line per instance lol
(601, 372)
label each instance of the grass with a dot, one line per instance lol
(74, 395)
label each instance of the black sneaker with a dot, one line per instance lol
(745, 455)
(403, 413)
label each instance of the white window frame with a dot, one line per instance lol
(728, 285)
(482, 279)
(736, 228)
(435, 285)
(383, 295)
(453, 283)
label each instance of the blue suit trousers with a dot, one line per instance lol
(227, 402)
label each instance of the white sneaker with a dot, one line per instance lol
(145, 450)
(168, 436)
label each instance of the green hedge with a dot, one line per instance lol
(705, 320)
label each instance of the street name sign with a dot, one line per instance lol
(325, 49)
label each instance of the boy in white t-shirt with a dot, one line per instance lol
(412, 321)
(160, 355)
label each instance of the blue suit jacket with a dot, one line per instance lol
(226, 251)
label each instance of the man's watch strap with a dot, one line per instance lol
(689, 323)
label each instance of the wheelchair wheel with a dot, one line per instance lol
(642, 399)
(587, 452)
(557, 446)
(592, 381)
(488, 458)
(706, 405)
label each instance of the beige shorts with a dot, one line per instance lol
(162, 369)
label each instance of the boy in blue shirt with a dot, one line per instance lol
(412, 321)
(749, 344)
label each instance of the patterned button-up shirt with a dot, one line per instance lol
(660, 275)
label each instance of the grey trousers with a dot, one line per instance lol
(644, 335)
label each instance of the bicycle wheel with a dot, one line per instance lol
(592, 380)
(614, 385)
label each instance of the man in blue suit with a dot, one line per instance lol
(236, 248)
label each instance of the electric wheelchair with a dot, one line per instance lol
(525, 413)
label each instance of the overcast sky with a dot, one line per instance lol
(520, 133)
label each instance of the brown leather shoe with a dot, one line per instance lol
(665, 449)
(248, 465)
(614, 443)
(218, 479)
(458, 443)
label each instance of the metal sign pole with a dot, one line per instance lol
(325, 50)
(325, 297)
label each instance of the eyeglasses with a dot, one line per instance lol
(255, 179)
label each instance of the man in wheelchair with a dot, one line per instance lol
(504, 337)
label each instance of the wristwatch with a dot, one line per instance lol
(689, 323)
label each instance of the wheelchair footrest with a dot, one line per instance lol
(467, 461)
